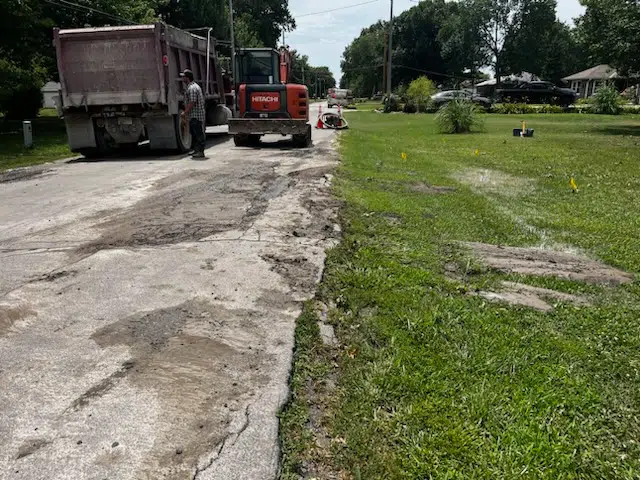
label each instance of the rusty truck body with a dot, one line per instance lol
(122, 85)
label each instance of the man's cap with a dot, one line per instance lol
(187, 73)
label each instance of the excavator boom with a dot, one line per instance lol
(285, 65)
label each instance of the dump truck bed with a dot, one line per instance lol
(136, 64)
(110, 66)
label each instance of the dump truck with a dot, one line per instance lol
(121, 85)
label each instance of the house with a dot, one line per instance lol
(49, 92)
(587, 82)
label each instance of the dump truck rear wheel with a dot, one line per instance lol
(183, 135)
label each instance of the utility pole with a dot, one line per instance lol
(385, 57)
(303, 74)
(390, 52)
(233, 54)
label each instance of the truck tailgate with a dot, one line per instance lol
(110, 65)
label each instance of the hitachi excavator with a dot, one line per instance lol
(267, 103)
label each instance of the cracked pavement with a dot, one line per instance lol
(148, 306)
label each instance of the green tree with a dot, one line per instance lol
(362, 62)
(610, 31)
(540, 44)
(496, 20)
(306, 74)
(300, 69)
(266, 18)
(245, 36)
(462, 42)
(416, 42)
(420, 91)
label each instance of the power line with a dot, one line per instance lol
(336, 9)
(83, 8)
(79, 7)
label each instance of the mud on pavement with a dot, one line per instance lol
(153, 338)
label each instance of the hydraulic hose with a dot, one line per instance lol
(334, 121)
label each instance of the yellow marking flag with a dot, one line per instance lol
(574, 185)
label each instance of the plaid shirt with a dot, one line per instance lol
(193, 94)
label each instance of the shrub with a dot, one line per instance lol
(583, 108)
(630, 109)
(23, 103)
(401, 93)
(550, 109)
(391, 104)
(514, 108)
(420, 91)
(409, 107)
(20, 95)
(457, 116)
(607, 101)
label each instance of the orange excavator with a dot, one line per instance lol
(267, 102)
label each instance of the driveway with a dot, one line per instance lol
(148, 307)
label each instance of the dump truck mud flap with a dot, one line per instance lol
(263, 126)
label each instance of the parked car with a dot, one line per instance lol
(339, 96)
(442, 98)
(536, 92)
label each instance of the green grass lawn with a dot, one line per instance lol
(369, 105)
(49, 138)
(431, 382)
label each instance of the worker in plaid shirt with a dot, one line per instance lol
(194, 111)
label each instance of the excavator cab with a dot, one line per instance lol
(267, 103)
(258, 66)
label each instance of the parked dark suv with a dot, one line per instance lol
(535, 92)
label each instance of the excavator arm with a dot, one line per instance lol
(285, 65)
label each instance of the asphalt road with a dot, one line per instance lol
(148, 306)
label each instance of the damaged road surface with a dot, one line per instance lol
(147, 311)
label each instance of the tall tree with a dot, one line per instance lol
(267, 18)
(610, 30)
(416, 44)
(462, 42)
(537, 40)
(306, 74)
(362, 61)
(496, 20)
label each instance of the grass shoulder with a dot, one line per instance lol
(433, 377)
(49, 142)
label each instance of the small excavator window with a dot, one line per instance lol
(258, 67)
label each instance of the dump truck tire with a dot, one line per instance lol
(183, 135)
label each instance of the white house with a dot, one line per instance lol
(49, 92)
(587, 82)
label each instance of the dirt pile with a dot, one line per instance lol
(535, 261)
(534, 297)
(539, 262)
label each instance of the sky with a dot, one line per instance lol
(324, 36)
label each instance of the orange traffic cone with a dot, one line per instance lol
(320, 124)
